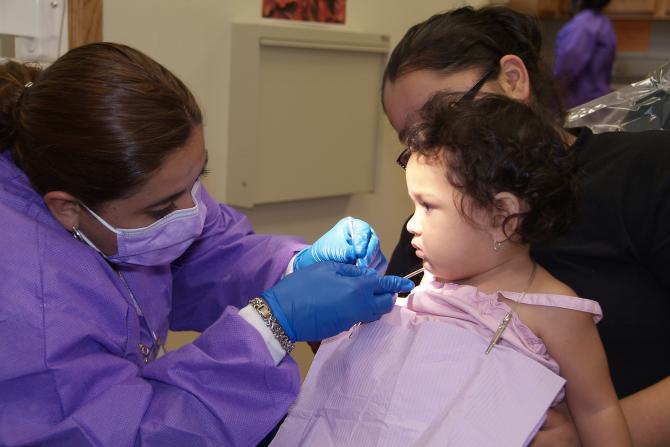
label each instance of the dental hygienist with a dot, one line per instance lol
(108, 239)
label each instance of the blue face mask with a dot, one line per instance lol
(159, 243)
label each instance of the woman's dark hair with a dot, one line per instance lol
(468, 38)
(595, 5)
(96, 122)
(495, 144)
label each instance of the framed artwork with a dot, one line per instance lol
(329, 11)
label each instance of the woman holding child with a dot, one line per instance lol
(617, 250)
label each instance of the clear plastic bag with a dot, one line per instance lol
(643, 105)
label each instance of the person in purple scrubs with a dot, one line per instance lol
(584, 54)
(109, 240)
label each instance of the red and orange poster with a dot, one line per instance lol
(330, 11)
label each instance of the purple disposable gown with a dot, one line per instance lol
(584, 56)
(70, 369)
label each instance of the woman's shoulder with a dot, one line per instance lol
(638, 156)
(34, 246)
(652, 143)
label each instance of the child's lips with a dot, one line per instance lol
(418, 251)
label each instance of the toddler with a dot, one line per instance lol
(489, 340)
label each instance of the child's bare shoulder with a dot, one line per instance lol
(541, 318)
(545, 282)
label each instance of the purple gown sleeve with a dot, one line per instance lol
(228, 265)
(71, 374)
(222, 389)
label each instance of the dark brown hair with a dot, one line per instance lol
(596, 5)
(495, 144)
(468, 38)
(96, 122)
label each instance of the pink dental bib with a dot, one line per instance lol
(416, 378)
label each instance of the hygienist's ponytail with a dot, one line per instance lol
(15, 79)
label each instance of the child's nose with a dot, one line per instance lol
(413, 225)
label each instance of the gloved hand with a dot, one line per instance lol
(341, 244)
(326, 298)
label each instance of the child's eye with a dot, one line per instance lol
(159, 214)
(426, 206)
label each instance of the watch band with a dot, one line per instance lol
(271, 322)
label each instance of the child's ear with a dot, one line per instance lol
(505, 205)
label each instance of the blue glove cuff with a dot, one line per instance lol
(279, 314)
(303, 258)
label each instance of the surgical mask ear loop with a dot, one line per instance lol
(100, 219)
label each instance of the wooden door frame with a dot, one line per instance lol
(84, 22)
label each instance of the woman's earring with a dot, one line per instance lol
(77, 234)
(497, 245)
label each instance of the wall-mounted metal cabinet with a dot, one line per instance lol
(304, 112)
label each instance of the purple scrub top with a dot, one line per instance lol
(584, 57)
(71, 371)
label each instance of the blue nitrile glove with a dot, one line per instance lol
(326, 298)
(338, 245)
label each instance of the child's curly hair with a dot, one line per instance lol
(495, 144)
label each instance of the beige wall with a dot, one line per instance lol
(191, 39)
